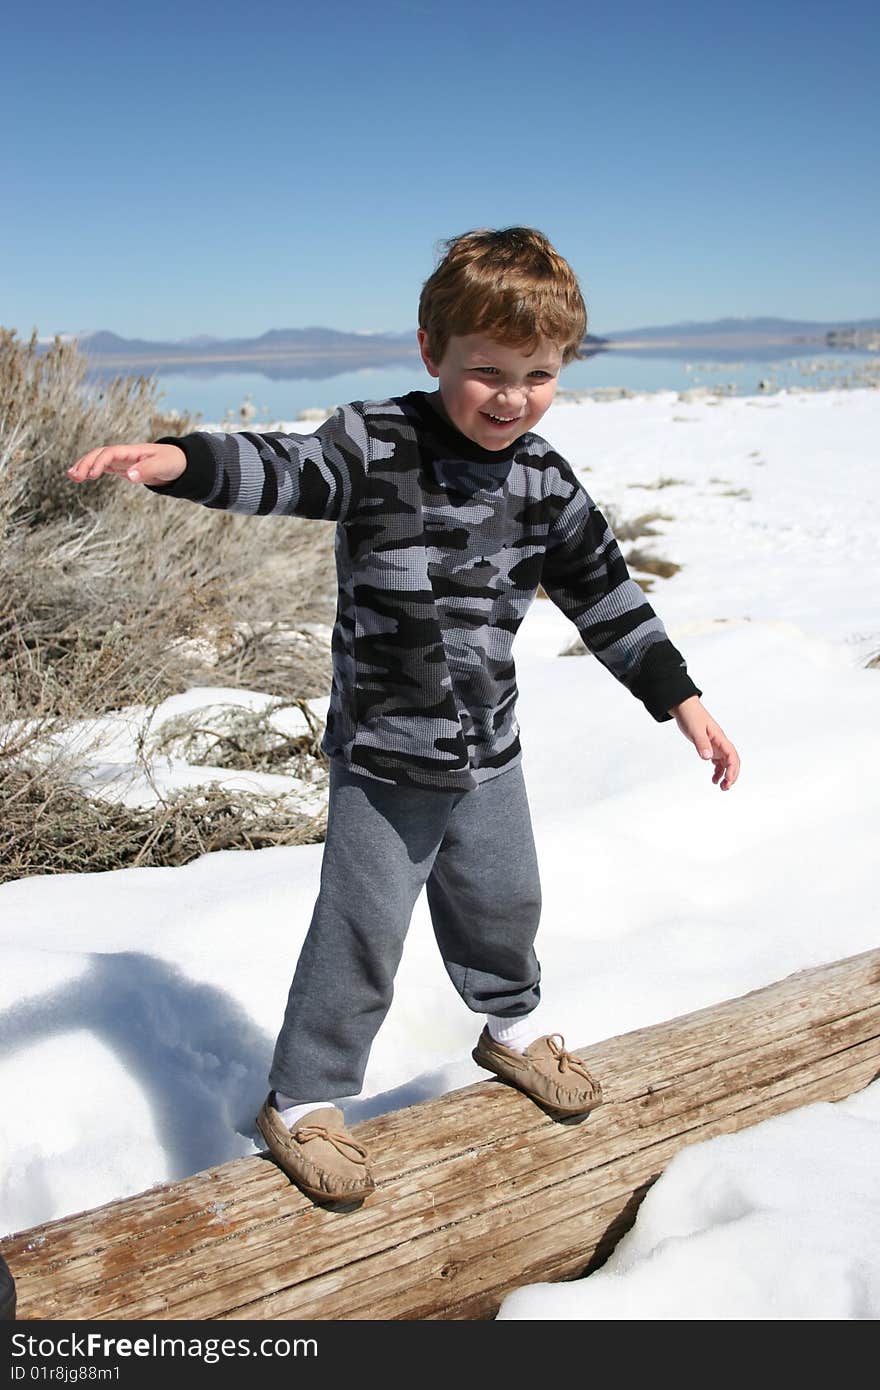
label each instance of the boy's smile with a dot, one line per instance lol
(491, 392)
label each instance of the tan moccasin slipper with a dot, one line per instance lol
(545, 1071)
(318, 1153)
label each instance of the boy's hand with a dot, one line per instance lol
(139, 463)
(709, 739)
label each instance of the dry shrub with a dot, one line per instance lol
(663, 482)
(224, 590)
(49, 417)
(232, 736)
(48, 827)
(636, 528)
(112, 596)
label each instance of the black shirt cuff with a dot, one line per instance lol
(663, 681)
(197, 480)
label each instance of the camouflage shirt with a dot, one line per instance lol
(440, 548)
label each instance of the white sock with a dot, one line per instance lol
(516, 1033)
(291, 1112)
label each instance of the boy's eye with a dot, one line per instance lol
(487, 371)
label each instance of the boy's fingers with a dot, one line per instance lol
(88, 466)
(728, 764)
(706, 743)
(78, 470)
(710, 741)
(715, 745)
(110, 458)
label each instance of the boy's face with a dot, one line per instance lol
(491, 392)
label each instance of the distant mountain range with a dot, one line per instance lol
(276, 342)
(316, 351)
(751, 331)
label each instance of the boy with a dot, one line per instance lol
(449, 513)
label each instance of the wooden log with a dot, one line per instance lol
(479, 1190)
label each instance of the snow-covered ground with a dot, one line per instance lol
(138, 1009)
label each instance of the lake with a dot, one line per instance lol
(217, 395)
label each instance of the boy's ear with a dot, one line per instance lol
(425, 351)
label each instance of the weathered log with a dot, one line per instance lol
(479, 1190)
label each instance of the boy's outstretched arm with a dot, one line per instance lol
(709, 739)
(321, 474)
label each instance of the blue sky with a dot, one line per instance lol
(175, 169)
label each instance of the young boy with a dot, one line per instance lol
(449, 513)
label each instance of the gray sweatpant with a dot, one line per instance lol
(475, 852)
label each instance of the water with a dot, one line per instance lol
(216, 396)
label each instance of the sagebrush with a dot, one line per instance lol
(111, 596)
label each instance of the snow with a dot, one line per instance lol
(132, 1002)
(740, 1227)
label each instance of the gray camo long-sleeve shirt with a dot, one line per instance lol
(440, 548)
